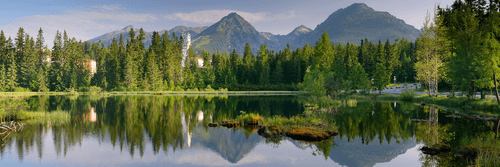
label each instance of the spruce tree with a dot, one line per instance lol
(11, 83)
(3, 78)
(153, 73)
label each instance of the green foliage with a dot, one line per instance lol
(314, 82)
(407, 95)
(209, 89)
(93, 90)
(21, 89)
(381, 77)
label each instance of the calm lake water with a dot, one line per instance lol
(172, 131)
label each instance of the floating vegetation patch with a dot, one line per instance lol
(308, 129)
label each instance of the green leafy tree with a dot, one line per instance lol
(381, 77)
(429, 60)
(314, 82)
(462, 22)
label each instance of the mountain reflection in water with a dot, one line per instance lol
(153, 130)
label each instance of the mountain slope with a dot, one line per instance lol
(358, 21)
(353, 23)
(108, 37)
(232, 31)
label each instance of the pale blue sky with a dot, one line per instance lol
(87, 19)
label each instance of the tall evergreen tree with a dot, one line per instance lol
(3, 78)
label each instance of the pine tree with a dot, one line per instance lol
(248, 61)
(323, 53)
(381, 78)
(129, 81)
(263, 64)
(3, 78)
(3, 48)
(40, 40)
(42, 79)
(11, 83)
(153, 73)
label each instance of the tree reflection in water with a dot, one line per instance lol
(167, 122)
(369, 132)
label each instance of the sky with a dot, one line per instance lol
(88, 19)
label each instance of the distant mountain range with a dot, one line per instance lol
(350, 24)
(178, 30)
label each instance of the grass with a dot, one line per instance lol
(54, 117)
(249, 119)
(463, 102)
(23, 94)
(310, 126)
(487, 147)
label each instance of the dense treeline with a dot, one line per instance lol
(459, 47)
(127, 65)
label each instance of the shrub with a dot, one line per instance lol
(178, 88)
(21, 89)
(407, 95)
(209, 89)
(94, 90)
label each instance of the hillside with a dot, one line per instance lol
(231, 32)
(353, 23)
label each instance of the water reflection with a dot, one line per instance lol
(141, 127)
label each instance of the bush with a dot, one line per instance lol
(209, 89)
(407, 95)
(222, 89)
(178, 88)
(21, 89)
(94, 90)
(193, 90)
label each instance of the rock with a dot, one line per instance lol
(212, 124)
(435, 151)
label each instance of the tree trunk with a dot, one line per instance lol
(496, 88)
(498, 126)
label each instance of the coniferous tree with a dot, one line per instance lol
(11, 83)
(263, 65)
(248, 61)
(3, 78)
(3, 48)
(462, 21)
(153, 73)
(40, 40)
(323, 53)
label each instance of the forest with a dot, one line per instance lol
(457, 49)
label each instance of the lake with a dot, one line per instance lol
(172, 131)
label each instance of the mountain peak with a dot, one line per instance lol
(302, 29)
(233, 14)
(357, 7)
(128, 27)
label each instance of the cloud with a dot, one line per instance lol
(82, 24)
(212, 16)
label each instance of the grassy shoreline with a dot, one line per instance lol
(235, 93)
(462, 102)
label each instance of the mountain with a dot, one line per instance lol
(194, 31)
(108, 37)
(232, 145)
(356, 153)
(353, 23)
(356, 22)
(232, 31)
(281, 41)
